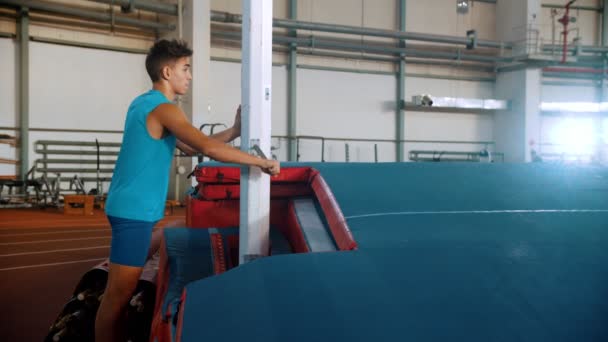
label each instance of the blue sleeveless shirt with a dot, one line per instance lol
(141, 176)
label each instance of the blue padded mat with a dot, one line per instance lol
(278, 242)
(458, 252)
(569, 230)
(430, 291)
(189, 259)
(362, 188)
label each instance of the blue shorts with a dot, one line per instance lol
(130, 241)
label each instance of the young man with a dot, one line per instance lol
(136, 200)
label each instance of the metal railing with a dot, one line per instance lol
(373, 144)
(77, 163)
(482, 156)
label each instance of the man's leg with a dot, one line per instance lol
(122, 281)
(157, 236)
(130, 245)
(157, 233)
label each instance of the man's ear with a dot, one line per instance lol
(165, 72)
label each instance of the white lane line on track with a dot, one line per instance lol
(51, 264)
(523, 211)
(54, 251)
(45, 225)
(60, 232)
(55, 240)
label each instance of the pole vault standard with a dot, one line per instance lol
(256, 90)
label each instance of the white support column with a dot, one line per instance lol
(194, 26)
(515, 128)
(256, 99)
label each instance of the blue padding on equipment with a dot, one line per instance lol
(315, 233)
(568, 230)
(429, 291)
(362, 188)
(189, 258)
(278, 242)
(447, 252)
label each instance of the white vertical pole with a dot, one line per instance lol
(256, 93)
(195, 22)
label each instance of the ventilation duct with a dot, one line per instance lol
(459, 103)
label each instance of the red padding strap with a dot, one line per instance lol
(337, 223)
(232, 174)
(162, 282)
(233, 191)
(233, 251)
(160, 331)
(180, 317)
(188, 211)
(219, 255)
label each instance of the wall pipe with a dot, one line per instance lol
(371, 72)
(574, 70)
(570, 84)
(180, 19)
(452, 78)
(87, 14)
(564, 21)
(457, 65)
(605, 24)
(24, 94)
(583, 48)
(399, 111)
(378, 49)
(291, 85)
(592, 49)
(226, 17)
(588, 61)
(88, 45)
(62, 130)
(600, 138)
(576, 8)
(387, 59)
(390, 59)
(574, 76)
(407, 74)
(148, 5)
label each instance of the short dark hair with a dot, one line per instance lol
(162, 52)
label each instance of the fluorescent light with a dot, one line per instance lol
(575, 135)
(462, 6)
(576, 107)
(458, 102)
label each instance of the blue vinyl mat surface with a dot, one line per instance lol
(459, 252)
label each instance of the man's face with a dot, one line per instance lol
(180, 76)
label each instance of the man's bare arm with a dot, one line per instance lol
(231, 133)
(189, 151)
(174, 120)
(226, 135)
